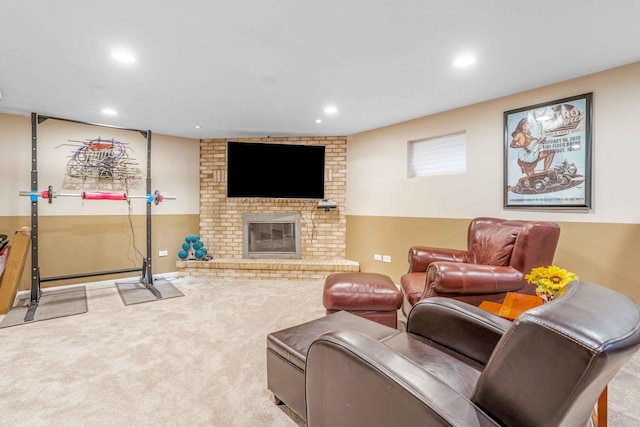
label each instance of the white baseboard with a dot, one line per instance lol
(104, 283)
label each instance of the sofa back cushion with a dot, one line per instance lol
(492, 244)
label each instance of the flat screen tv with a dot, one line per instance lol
(284, 171)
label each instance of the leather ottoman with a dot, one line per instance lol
(287, 354)
(370, 295)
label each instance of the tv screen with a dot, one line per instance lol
(285, 171)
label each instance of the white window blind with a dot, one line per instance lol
(438, 156)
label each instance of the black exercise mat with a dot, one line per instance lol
(52, 304)
(137, 293)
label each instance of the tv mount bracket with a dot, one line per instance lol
(327, 204)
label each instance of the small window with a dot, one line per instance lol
(438, 156)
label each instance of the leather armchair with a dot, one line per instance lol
(499, 253)
(457, 365)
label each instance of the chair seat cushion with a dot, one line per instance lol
(413, 286)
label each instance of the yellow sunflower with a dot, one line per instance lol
(550, 279)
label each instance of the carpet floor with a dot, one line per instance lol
(192, 360)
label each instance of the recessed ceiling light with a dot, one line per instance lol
(110, 111)
(198, 127)
(331, 110)
(122, 56)
(318, 120)
(464, 60)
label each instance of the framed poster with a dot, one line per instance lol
(547, 154)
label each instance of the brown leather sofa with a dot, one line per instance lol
(499, 253)
(458, 365)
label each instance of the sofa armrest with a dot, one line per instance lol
(421, 256)
(469, 279)
(464, 328)
(354, 380)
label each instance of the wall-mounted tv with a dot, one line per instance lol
(284, 171)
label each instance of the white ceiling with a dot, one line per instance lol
(269, 67)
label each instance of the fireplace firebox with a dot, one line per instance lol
(271, 235)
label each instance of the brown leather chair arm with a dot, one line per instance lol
(458, 278)
(354, 380)
(464, 328)
(421, 256)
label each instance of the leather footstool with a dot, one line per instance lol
(287, 353)
(370, 295)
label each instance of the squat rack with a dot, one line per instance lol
(147, 270)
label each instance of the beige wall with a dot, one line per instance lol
(388, 212)
(78, 236)
(83, 244)
(606, 254)
(174, 168)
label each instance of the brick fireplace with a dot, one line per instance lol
(322, 233)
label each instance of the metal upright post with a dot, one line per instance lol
(35, 268)
(147, 267)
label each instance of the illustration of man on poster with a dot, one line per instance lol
(532, 148)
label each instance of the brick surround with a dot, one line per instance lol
(323, 233)
(265, 269)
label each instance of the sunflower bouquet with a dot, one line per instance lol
(549, 280)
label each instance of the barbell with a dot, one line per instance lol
(49, 194)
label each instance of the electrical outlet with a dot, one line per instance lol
(386, 258)
(377, 257)
(163, 253)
